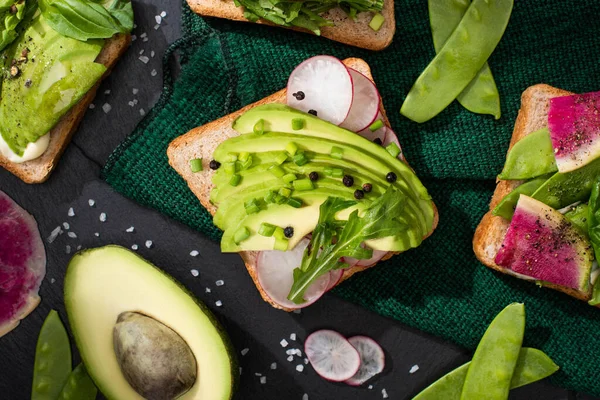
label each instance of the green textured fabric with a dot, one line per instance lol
(440, 287)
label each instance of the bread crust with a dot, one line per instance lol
(39, 169)
(201, 142)
(355, 33)
(490, 233)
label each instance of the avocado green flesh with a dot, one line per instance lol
(60, 71)
(102, 283)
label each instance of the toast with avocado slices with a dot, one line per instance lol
(541, 221)
(52, 68)
(206, 142)
(340, 27)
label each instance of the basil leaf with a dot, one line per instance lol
(12, 12)
(121, 10)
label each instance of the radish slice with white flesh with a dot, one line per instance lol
(391, 137)
(335, 277)
(331, 355)
(378, 134)
(377, 255)
(372, 359)
(321, 84)
(275, 270)
(365, 103)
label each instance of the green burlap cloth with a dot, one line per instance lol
(440, 287)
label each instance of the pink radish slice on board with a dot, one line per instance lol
(335, 277)
(378, 134)
(391, 137)
(365, 103)
(372, 359)
(321, 84)
(377, 255)
(275, 271)
(22, 264)
(331, 355)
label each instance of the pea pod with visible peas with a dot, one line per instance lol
(481, 95)
(79, 386)
(530, 157)
(52, 359)
(532, 366)
(459, 61)
(490, 373)
(506, 207)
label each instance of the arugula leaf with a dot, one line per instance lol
(85, 19)
(12, 12)
(380, 219)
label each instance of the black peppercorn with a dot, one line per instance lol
(313, 112)
(359, 194)
(377, 141)
(288, 232)
(313, 176)
(214, 164)
(391, 177)
(367, 187)
(348, 181)
(299, 95)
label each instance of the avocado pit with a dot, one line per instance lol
(155, 360)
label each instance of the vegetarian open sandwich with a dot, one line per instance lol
(368, 24)
(52, 63)
(281, 181)
(543, 220)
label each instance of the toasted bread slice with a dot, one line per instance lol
(38, 170)
(355, 33)
(201, 142)
(491, 231)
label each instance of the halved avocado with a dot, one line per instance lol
(105, 282)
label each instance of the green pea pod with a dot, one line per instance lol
(506, 207)
(532, 366)
(564, 189)
(79, 386)
(578, 216)
(459, 61)
(594, 233)
(481, 95)
(52, 359)
(490, 373)
(530, 157)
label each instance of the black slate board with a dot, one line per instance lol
(251, 323)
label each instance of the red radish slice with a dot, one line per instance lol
(322, 84)
(22, 264)
(365, 103)
(372, 359)
(377, 255)
(335, 277)
(276, 275)
(378, 134)
(391, 137)
(331, 355)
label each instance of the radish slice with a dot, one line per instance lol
(275, 271)
(365, 103)
(377, 255)
(378, 134)
(391, 137)
(321, 84)
(372, 359)
(331, 355)
(335, 277)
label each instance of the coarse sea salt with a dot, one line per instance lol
(107, 91)
(220, 282)
(163, 14)
(148, 243)
(68, 249)
(384, 393)
(263, 380)
(299, 367)
(92, 106)
(144, 59)
(154, 72)
(245, 351)
(293, 336)
(71, 212)
(413, 369)
(66, 225)
(283, 343)
(92, 202)
(106, 108)
(194, 253)
(142, 112)
(194, 272)
(218, 303)
(54, 234)
(207, 290)
(134, 247)
(97, 234)
(135, 91)
(158, 19)
(130, 229)
(102, 217)
(72, 235)
(304, 396)
(274, 366)
(290, 358)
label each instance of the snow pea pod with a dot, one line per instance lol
(530, 157)
(506, 207)
(79, 386)
(491, 370)
(578, 216)
(532, 366)
(461, 58)
(481, 94)
(52, 359)
(564, 189)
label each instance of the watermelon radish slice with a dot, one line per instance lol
(365, 103)
(331, 355)
(22, 264)
(378, 134)
(372, 359)
(542, 244)
(574, 123)
(321, 85)
(275, 270)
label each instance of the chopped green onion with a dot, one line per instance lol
(230, 168)
(247, 164)
(303, 184)
(291, 148)
(235, 179)
(279, 234)
(337, 173)
(297, 124)
(337, 152)
(241, 234)
(196, 165)
(259, 127)
(266, 229)
(294, 202)
(376, 125)
(393, 149)
(253, 209)
(243, 156)
(270, 197)
(300, 159)
(287, 178)
(281, 244)
(279, 199)
(285, 192)
(377, 22)
(328, 171)
(231, 157)
(277, 171)
(250, 203)
(281, 158)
